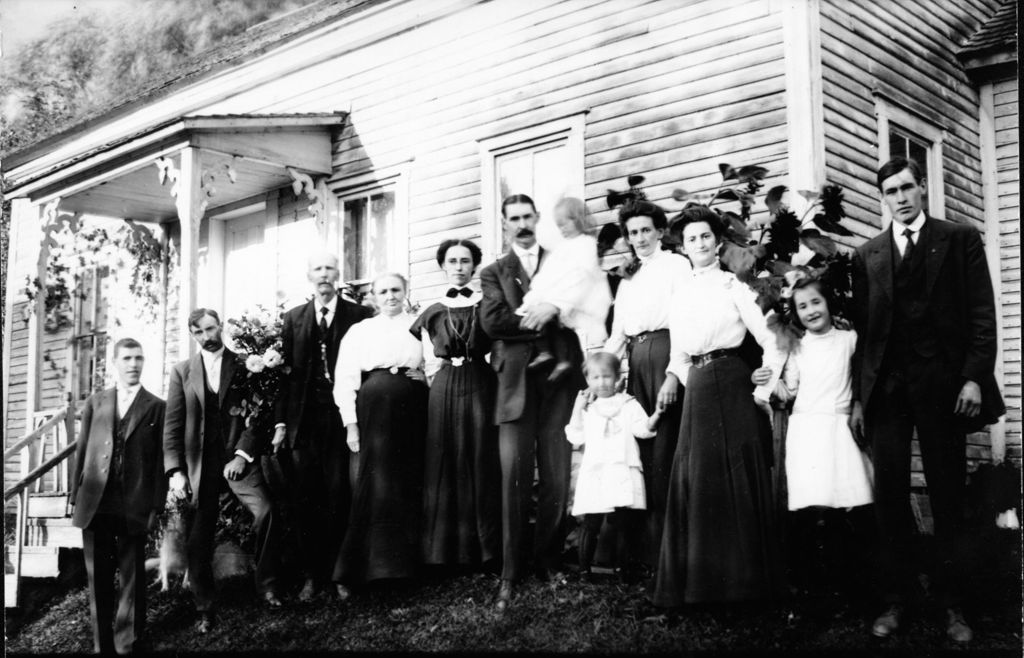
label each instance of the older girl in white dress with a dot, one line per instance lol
(381, 393)
(828, 477)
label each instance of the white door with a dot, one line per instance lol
(249, 266)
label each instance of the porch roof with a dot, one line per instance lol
(134, 176)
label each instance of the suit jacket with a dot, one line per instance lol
(300, 344)
(959, 304)
(504, 283)
(184, 427)
(143, 482)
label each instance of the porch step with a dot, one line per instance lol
(40, 562)
(48, 505)
(10, 590)
(53, 533)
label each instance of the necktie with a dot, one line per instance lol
(323, 320)
(528, 264)
(455, 292)
(909, 249)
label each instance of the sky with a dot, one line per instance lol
(24, 20)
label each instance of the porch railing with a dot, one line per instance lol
(54, 436)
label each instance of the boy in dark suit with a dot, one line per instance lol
(118, 491)
(925, 358)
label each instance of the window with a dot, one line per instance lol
(89, 344)
(367, 221)
(908, 133)
(543, 161)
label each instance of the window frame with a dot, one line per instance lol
(569, 129)
(395, 180)
(891, 114)
(87, 308)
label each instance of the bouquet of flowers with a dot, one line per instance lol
(257, 339)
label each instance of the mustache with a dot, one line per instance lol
(524, 233)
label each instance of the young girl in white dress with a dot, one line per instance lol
(827, 474)
(570, 277)
(610, 483)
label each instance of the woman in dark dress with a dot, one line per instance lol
(462, 475)
(381, 393)
(719, 541)
(640, 336)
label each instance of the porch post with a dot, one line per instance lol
(191, 205)
(804, 98)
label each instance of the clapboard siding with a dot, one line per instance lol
(669, 89)
(17, 373)
(866, 45)
(1007, 118)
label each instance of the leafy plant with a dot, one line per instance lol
(761, 252)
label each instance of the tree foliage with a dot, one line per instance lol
(91, 62)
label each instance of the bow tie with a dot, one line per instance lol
(455, 292)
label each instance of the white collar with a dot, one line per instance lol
(713, 267)
(129, 391)
(655, 254)
(520, 252)
(330, 306)
(211, 357)
(914, 226)
(460, 301)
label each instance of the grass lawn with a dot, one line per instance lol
(456, 614)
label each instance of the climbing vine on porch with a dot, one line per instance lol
(131, 249)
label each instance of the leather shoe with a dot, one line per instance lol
(272, 601)
(887, 622)
(504, 596)
(956, 628)
(205, 623)
(308, 591)
(344, 593)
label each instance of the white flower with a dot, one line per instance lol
(272, 359)
(254, 363)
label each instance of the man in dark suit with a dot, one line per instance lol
(925, 358)
(309, 437)
(204, 446)
(118, 491)
(531, 411)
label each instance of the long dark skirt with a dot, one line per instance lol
(647, 361)
(383, 537)
(719, 541)
(462, 474)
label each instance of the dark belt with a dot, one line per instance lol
(645, 336)
(701, 360)
(458, 361)
(393, 370)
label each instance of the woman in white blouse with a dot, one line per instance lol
(719, 539)
(382, 396)
(640, 334)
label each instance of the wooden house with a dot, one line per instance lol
(381, 127)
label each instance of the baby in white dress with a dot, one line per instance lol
(570, 277)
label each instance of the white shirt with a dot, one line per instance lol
(377, 342)
(529, 264)
(714, 312)
(915, 227)
(331, 307)
(211, 364)
(125, 397)
(819, 372)
(644, 301)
